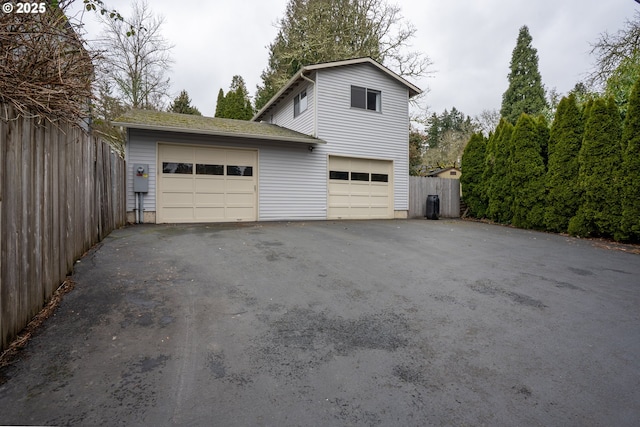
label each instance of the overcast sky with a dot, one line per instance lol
(469, 41)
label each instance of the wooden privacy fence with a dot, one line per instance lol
(448, 191)
(61, 191)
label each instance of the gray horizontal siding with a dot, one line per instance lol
(362, 133)
(291, 179)
(141, 150)
(283, 116)
(292, 184)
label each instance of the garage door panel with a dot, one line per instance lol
(177, 214)
(368, 191)
(240, 213)
(239, 200)
(178, 199)
(177, 183)
(208, 155)
(216, 199)
(240, 185)
(177, 154)
(340, 163)
(210, 214)
(378, 191)
(208, 185)
(210, 193)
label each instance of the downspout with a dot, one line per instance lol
(315, 104)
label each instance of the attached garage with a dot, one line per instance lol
(206, 184)
(359, 188)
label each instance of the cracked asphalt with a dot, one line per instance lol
(363, 323)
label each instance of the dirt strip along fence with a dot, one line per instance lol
(448, 191)
(61, 191)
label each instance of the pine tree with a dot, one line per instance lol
(527, 174)
(220, 105)
(630, 190)
(600, 157)
(236, 103)
(473, 164)
(525, 93)
(563, 194)
(182, 104)
(416, 149)
(498, 190)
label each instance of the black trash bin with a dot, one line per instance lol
(433, 206)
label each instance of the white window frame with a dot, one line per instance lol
(300, 103)
(367, 92)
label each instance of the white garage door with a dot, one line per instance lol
(360, 188)
(203, 184)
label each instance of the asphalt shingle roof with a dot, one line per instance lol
(187, 123)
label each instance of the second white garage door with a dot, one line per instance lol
(360, 188)
(204, 184)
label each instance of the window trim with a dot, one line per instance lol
(297, 103)
(366, 92)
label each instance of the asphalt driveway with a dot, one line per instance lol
(337, 323)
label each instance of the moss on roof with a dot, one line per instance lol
(159, 120)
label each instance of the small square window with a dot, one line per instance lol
(367, 99)
(300, 103)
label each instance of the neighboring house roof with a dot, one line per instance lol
(187, 123)
(300, 75)
(436, 172)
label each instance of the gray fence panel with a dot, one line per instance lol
(448, 191)
(61, 191)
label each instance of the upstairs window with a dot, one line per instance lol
(367, 99)
(300, 103)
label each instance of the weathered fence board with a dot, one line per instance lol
(61, 191)
(448, 191)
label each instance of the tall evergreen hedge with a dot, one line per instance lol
(498, 190)
(563, 193)
(473, 164)
(543, 137)
(527, 173)
(600, 157)
(630, 179)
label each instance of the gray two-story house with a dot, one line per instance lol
(333, 143)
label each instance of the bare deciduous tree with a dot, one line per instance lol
(449, 151)
(136, 62)
(610, 50)
(487, 121)
(45, 68)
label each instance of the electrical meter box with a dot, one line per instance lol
(140, 178)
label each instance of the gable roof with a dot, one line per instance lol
(188, 123)
(438, 171)
(300, 75)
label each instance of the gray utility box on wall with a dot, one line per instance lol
(140, 178)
